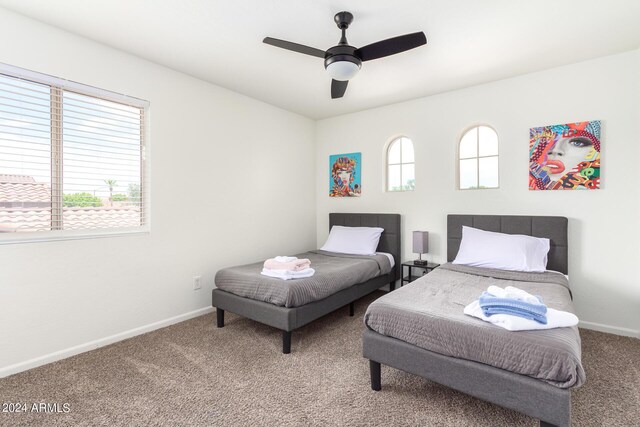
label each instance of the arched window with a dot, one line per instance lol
(478, 159)
(401, 173)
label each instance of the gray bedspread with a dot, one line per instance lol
(428, 313)
(334, 272)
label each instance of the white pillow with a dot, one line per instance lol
(517, 252)
(353, 240)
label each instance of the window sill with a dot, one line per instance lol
(56, 236)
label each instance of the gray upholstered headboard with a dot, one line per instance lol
(551, 227)
(390, 238)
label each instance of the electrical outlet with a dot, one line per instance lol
(197, 282)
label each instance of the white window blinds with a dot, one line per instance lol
(71, 156)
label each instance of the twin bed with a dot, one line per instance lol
(339, 281)
(420, 328)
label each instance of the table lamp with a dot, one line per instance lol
(420, 245)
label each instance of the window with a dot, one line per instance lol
(401, 173)
(478, 159)
(71, 157)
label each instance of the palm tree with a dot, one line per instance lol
(111, 183)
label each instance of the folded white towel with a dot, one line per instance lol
(284, 258)
(555, 319)
(287, 274)
(513, 293)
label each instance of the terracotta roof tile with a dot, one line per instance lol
(102, 217)
(25, 205)
(21, 193)
(16, 179)
(75, 218)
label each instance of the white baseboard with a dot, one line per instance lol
(92, 345)
(610, 329)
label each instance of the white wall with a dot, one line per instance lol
(604, 252)
(220, 165)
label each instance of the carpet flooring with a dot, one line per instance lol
(194, 374)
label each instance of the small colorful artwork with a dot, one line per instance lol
(565, 157)
(344, 175)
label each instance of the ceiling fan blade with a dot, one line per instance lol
(338, 88)
(294, 47)
(391, 46)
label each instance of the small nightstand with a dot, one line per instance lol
(410, 277)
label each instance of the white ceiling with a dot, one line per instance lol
(469, 41)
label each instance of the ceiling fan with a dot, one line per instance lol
(343, 61)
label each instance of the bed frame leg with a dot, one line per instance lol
(220, 317)
(352, 309)
(374, 367)
(392, 286)
(286, 342)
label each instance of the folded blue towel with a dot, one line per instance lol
(491, 304)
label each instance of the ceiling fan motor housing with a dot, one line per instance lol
(341, 53)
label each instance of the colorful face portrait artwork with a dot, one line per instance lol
(565, 157)
(344, 175)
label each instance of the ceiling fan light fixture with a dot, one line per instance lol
(343, 69)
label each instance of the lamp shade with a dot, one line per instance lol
(420, 242)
